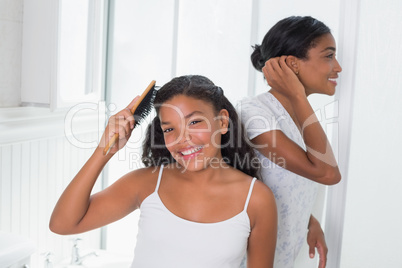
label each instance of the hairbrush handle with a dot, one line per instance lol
(110, 144)
(115, 137)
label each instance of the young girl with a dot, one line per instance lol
(200, 205)
(297, 57)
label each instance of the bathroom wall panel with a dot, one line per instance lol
(33, 175)
(11, 10)
(43, 179)
(15, 188)
(5, 199)
(25, 188)
(33, 191)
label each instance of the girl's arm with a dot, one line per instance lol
(318, 162)
(263, 221)
(77, 211)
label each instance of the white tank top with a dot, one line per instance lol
(166, 240)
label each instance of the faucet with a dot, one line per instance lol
(48, 262)
(76, 259)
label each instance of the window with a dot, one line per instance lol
(63, 62)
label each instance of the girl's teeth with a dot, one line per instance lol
(191, 151)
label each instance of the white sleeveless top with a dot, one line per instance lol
(166, 240)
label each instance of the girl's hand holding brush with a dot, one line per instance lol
(121, 124)
(134, 114)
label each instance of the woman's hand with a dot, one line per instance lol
(121, 123)
(316, 239)
(282, 78)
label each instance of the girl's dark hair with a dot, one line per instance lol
(235, 147)
(290, 36)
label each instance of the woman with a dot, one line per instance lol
(297, 57)
(200, 205)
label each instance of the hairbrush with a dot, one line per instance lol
(140, 110)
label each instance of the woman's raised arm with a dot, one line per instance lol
(318, 163)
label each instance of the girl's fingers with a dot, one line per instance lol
(123, 121)
(122, 124)
(122, 132)
(119, 124)
(125, 116)
(128, 116)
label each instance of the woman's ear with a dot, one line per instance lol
(293, 63)
(223, 118)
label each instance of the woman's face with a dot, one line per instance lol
(318, 73)
(192, 131)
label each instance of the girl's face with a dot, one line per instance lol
(192, 131)
(318, 73)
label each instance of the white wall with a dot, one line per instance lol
(372, 228)
(10, 52)
(214, 41)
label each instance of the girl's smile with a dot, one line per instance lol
(192, 152)
(189, 127)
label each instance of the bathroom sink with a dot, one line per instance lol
(15, 250)
(104, 259)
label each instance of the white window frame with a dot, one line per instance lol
(40, 85)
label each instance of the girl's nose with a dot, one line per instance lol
(185, 136)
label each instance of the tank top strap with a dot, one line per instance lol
(249, 193)
(159, 178)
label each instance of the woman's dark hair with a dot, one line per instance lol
(235, 147)
(290, 36)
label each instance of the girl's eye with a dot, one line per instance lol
(330, 56)
(194, 122)
(167, 130)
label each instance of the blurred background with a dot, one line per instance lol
(66, 65)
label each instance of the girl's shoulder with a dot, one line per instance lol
(260, 191)
(262, 202)
(262, 198)
(142, 174)
(141, 181)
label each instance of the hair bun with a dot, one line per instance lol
(220, 91)
(257, 59)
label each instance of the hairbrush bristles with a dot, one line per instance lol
(145, 106)
(142, 108)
